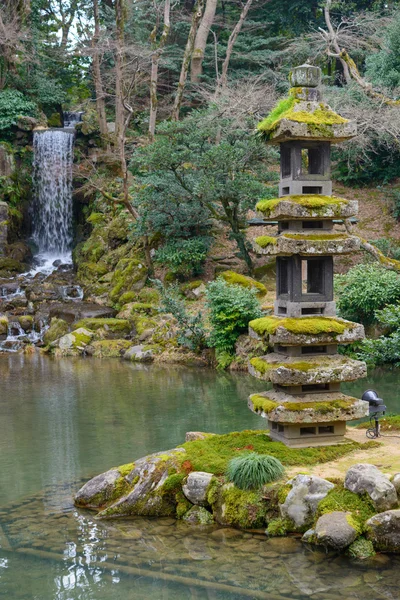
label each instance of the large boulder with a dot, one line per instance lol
(302, 500)
(99, 490)
(58, 328)
(139, 353)
(73, 344)
(365, 478)
(384, 531)
(333, 530)
(146, 495)
(196, 486)
(396, 482)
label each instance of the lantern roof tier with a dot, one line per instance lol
(307, 206)
(311, 243)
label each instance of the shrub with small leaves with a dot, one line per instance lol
(231, 307)
(14, 104)
(183, 257)
(251, 471)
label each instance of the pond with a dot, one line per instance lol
(63, 421)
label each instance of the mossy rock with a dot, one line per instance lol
(130, 275)
(12, 266)
(54, 120)
(26, 322)
(245, 281)
(360, 506)
(143, 323)
(3, 324)
(120, 327)
(110, 348)
(239, 508)
(58, 328)
(91, 271)
(305, 206)
(117, 231)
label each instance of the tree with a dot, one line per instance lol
(196, 16)
(155, 58)
(186, 178)
(200, 42)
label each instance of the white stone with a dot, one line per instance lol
(195, 488)
(365, 478)
(302, 501)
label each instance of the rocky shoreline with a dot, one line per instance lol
(357, 514)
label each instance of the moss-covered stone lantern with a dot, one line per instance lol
(305, 406)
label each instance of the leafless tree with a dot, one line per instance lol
(13, 36)
(200, 42)
(155, 59)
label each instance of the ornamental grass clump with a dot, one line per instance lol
(252, 471)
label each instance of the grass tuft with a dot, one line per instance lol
(252, 471)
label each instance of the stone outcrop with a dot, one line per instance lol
(196, 487)
(365, 478)
(384, 531)
(98, 491)
(302, 500)
(333, 530)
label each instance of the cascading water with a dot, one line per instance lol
(52, 206)
(71, 119)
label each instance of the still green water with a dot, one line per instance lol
(63, 421)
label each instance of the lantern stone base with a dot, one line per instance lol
(306, 436)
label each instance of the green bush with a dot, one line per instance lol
(252, 471)
(183, 257)
(231, 307)
(14, 104)
(387, 246)
(364, 290)
(381, 351)
(191, 334)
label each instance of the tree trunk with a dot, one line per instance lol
(197, 12)
(333, 38)
(98, 81)
(231, 43)
(155, 58)
(119, 73)
(200, 43)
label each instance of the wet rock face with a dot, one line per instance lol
(384, 531)
(80, 310)
(196, 486)
(302, 501)
(335, 531)
(99, 490)
(365, 478)
(3, 227)
(139, 492)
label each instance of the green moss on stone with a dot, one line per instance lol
(361, 549)
(266, 240)
(283, 493)
(58, 328)
(114, 325)
(278, 527)
(317, 202)
(242, 508)
(110, 348)
(262, 403)
(245, 281)
(183, 505)
(124, 470)
(321, 407)
(360, 506)
(323, 237)
(300, 326)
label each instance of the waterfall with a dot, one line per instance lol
(52, 185)
(71, 118)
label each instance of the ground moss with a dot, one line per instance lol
(174, 482)
(360, 506)
(214, 453)
(114, 325)
(124, 470)
(361, 549)
(261, 403)
(301, 326)
(142, 323)
(283, 493)
(260, 365)
(182, 505)
(58, 328)
(192, 285)
(266, 240)
(278, 527)
(96, 218)
(129, 274)
(320, 407)
(387, 423)
(110, 348)
(242, 508)
(323, 237)
(316, 202)
(127, 298)
(80, 340)
(143, 307)
(245, 281)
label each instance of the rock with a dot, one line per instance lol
(19, 251)
(238, 508)
(12, 266)
(26, 123)
(99, 490)
(3, 226)
(3, 325)
(198, 515)
(396, 482)
(26, 322)
(110, 328)
(334, 530)
(73, 344)
(58, 328)
(145, 495)
(194, 290)
(7, 163)
(384, 531)
(196, 486)
(301, 502)
(139, 354)
(80, 310)
(192, 436)
(367, 478)
(109, 348)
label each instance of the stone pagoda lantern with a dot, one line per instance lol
(305, 406)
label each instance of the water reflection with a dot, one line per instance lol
(63, 420)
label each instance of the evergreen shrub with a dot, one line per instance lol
(14, 104)
(183, 257)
